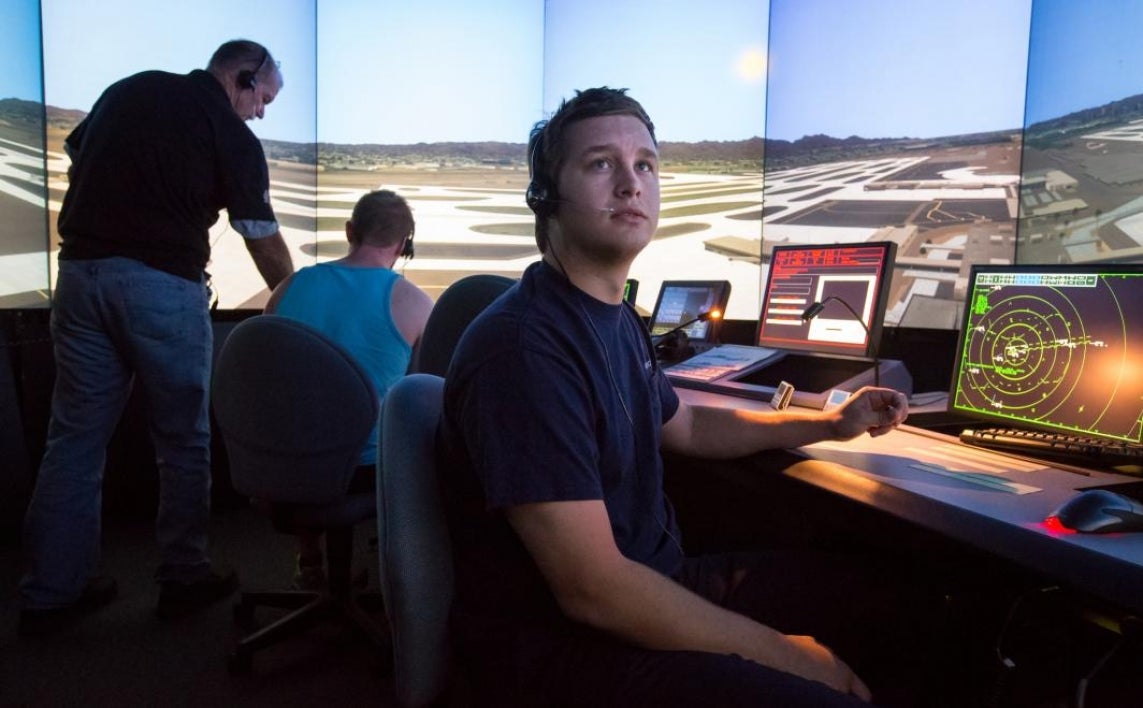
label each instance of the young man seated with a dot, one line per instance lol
(572, 584)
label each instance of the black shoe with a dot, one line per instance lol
(181, 599)
(98, 592)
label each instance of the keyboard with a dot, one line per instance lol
(1071, 449)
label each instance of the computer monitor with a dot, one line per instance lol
(1053, 347)
(855, 274)
(683, 300)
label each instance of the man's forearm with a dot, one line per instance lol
(272, 258)
(654, 612)
(574, 547)
(719, 433)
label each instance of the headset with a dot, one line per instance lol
(247, 79)
(541, 195)
(407, 249)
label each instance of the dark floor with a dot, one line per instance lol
(123, 656)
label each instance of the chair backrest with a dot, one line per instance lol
(415, 554)
(294, 408)
(456, 307)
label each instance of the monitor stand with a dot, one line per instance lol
(813, 376)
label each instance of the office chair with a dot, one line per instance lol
(458, 305)
(415, 554)
(295, 410)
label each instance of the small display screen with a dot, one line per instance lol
(848, 281)
(681, 301)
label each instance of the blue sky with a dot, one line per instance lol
(399, 71)
(396, 71)
(458, 70)
(20, 49)
(896, 68)
(1083, 54)
(135, 35)
(697, 67)
(404, 72)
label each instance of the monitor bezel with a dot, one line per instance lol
(1007, 420)
(722, 290)
(877, 318)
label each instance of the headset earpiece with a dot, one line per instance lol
(539, 199)
(407, 250)
(248, 80)
(540, 195)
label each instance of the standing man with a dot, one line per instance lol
(572, 587)
(153, 163)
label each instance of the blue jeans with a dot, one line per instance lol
(116, 323)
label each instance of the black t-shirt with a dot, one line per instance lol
(551, 396)
(154, 162)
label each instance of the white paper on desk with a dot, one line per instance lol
(951, 460)
(720, 361)
(983, 479)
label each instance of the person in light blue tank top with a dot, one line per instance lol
(359, 302)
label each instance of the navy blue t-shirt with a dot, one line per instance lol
(552, 395)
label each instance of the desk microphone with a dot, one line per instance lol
(670, 338)
(816, 309)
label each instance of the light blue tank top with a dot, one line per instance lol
(350, 305)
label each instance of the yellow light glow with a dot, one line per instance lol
(752, 65)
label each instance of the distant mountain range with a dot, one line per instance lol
(779, 154)
(16, 110)
(500, 153)
(1058, 131)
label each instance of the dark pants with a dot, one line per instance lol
(873, 618)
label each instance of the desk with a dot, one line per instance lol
(883, 473)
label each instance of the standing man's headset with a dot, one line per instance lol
(247, 79)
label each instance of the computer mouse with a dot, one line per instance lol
(1100, 511)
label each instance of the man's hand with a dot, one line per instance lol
(812, 660)
(871, 410)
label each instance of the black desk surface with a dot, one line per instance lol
(916, 475)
